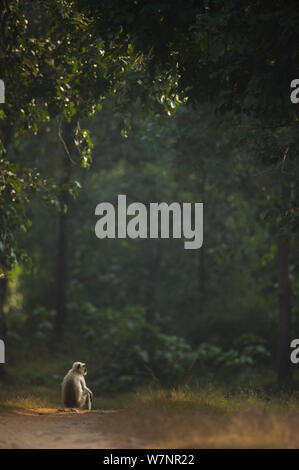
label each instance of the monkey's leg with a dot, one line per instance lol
(86, 400)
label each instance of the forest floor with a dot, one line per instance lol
(183, 418)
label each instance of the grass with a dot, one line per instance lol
(206, 418)
(27, 397)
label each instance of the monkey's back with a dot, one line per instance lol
(70, 392)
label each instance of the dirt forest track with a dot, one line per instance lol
(48, 428)
(160, 421)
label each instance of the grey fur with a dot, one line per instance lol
(75, 394)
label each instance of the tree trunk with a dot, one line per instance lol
(61, 274)
(202, 279)
(284, 300)
(3, 290)
(201, 270)
(62, 250)
(153, 270)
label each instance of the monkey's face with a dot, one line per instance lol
(80, 368)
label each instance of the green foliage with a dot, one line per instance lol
(41, 323)
(17, 186)
(213, 358)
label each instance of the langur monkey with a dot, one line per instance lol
(75, 394)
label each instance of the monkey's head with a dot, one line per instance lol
(80, 368)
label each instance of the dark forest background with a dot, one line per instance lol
(161, 101)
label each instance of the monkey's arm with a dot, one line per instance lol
(90, 392)
(86, 389)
